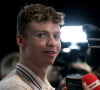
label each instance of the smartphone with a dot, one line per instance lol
(74, 84)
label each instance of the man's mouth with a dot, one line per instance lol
(50, 53)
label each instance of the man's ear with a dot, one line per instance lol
(20, 40)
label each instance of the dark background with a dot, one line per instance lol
(77, 13)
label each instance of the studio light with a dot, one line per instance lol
(73, 34)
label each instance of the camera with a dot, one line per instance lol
(93, 37)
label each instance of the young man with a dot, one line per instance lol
(38, 38)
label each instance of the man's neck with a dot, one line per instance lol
(39, 71)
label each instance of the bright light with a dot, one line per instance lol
(72, 46)
(73, 34)
(67, 50)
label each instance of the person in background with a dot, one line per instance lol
(8, 63)
(38, 38)
(58, 72)
(84, 66)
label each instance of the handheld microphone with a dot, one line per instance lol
(92, 81)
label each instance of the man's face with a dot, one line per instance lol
(42, 43)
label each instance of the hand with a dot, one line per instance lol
(63, 86)
(85, 87)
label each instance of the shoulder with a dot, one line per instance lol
(14, 83)
(17, 87)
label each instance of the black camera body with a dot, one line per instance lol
(93, 36)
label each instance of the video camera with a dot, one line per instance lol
(93, 36)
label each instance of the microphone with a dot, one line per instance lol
(92, 81)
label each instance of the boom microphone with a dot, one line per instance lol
(92, 81)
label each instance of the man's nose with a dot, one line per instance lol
(51, 42)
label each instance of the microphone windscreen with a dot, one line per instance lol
(92, 81)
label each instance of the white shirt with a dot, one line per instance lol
(24, 79)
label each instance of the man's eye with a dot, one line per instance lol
(56, 36)
(41, 35)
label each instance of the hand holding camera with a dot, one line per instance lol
(87, 82)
